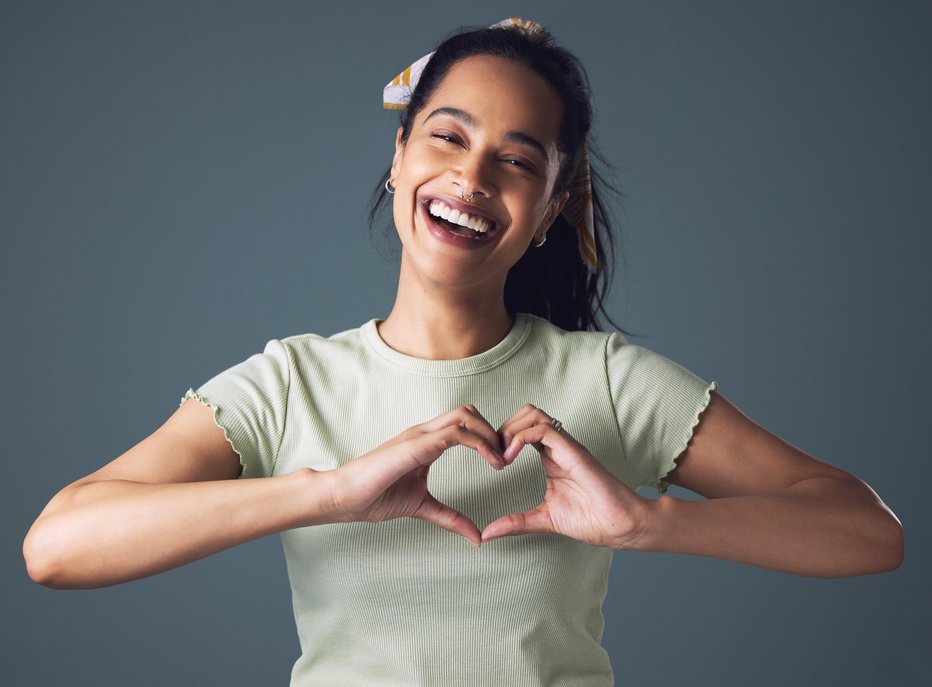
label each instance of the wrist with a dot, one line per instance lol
(313, 495)
(654, 517)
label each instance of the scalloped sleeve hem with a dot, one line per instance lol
(191, 393)
(250, 404)
(657, 405)
(668, 465)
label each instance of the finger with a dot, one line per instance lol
(467, 416)
(385, 466)
(475, 422)
(538, 435)
(433, 511)
(515, 422)
(455, 434)
(529, 522)
(529, 416)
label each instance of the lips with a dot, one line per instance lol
(469, 209)
(441, 230)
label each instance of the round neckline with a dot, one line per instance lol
(474, 364)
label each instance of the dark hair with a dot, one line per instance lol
(553, 281)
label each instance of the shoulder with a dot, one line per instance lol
(346, 341)
(621, 357)
(312, 338)
(550, 335)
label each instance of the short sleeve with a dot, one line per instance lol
(249, 402)
(657, 403)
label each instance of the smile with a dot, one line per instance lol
(460, 219)
(479, 224)
(453, 223)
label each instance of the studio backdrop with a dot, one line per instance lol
(181, 182)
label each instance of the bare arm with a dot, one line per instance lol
(171, 499)
(770, 505)
(113, 531)
(767, 503)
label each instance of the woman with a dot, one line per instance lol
(463, 391)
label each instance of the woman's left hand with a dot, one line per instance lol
(583, 500)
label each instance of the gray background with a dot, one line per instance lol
(180, 182)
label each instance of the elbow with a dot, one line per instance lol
(39, 556)
(35, 555)
(887, 545)
(894, 546)
(882, 532)
(42, 545)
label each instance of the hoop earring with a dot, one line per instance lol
(390, 189)
(538, 245)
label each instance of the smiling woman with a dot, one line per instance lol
(489, 132)
(516, 99)
(370, 451)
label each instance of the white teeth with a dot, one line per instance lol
(480, 224)
(444, 211)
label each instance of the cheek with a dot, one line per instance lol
(420, 168)
(527, 206)
(402, 205)
(415, 172)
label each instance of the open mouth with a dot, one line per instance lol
(467, 225)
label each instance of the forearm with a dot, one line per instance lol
(112, 531)
(820, 527)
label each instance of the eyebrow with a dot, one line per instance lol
(468, 120)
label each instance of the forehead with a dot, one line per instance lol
(501, 94)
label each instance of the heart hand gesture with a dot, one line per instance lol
(583, 500)
(390, 481)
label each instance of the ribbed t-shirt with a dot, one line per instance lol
(405, 602)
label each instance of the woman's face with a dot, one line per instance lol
(490, 129)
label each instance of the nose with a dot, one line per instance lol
(472, 175)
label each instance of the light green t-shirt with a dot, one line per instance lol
(405, 602)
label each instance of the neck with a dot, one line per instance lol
(439, 322)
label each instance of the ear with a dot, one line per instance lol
(553, 211)
(399, 155)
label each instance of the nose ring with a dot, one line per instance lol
(463, 197)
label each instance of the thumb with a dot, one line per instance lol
(528, 522)
(433, 511)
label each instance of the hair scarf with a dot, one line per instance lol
(578, 209)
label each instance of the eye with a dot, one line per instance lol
(450, 138)
(521, 164)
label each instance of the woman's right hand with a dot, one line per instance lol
(390, 481)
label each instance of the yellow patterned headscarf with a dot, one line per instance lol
(578, 209)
